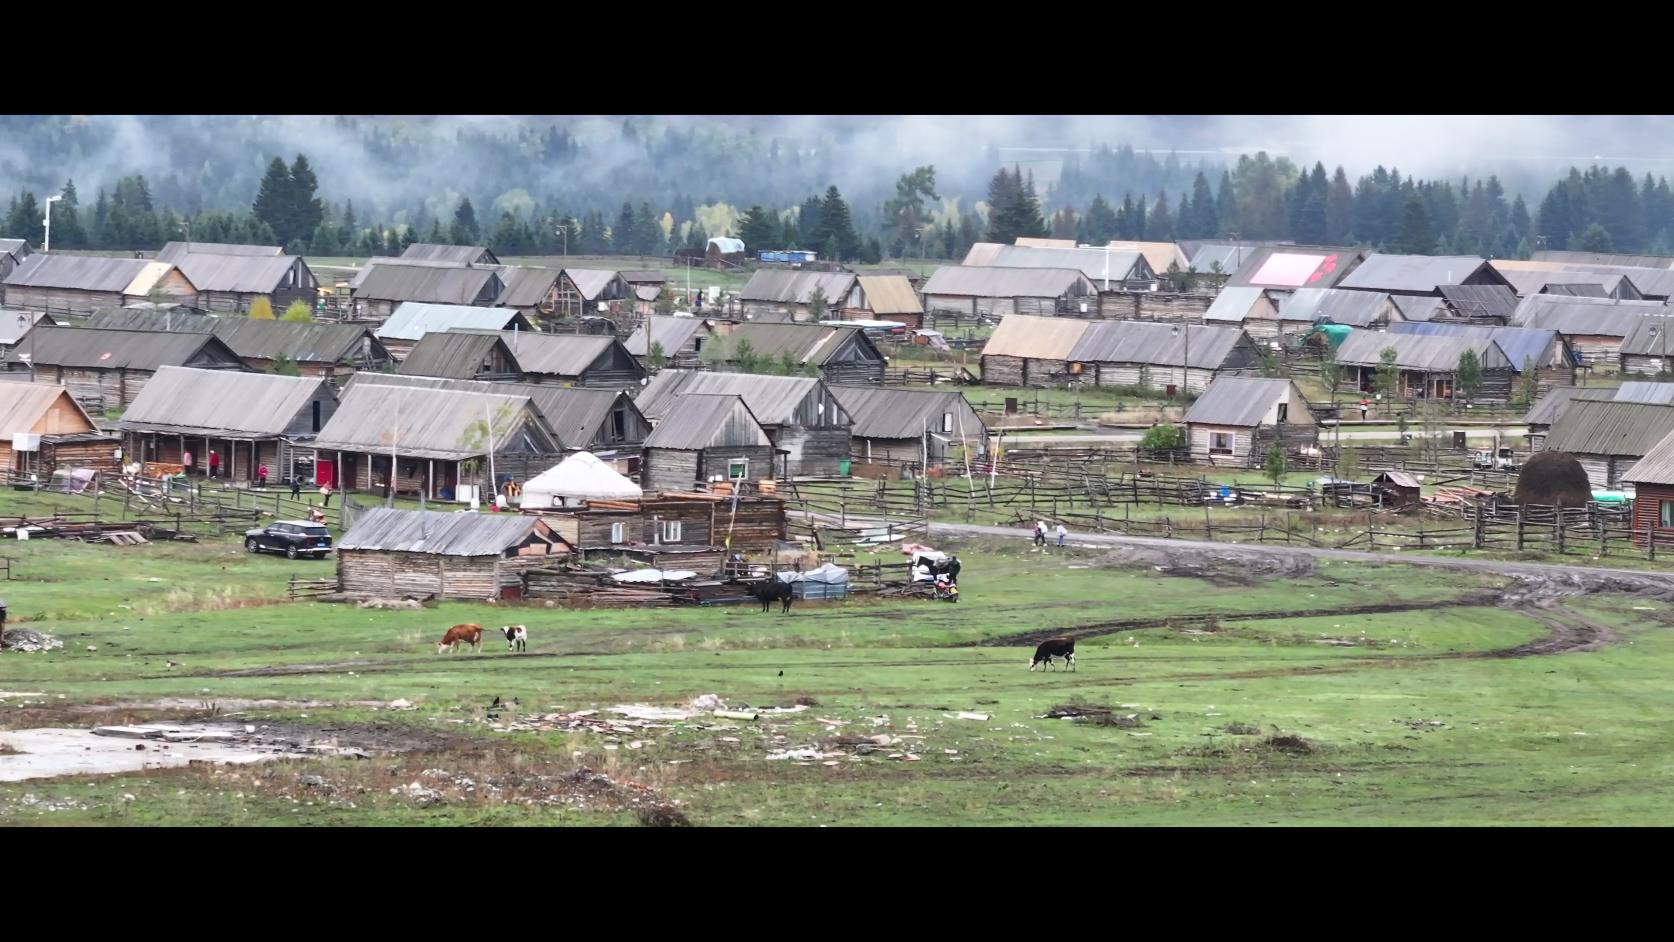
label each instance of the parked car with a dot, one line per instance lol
(292, 537)
(1504, 459)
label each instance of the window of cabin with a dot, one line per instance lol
(738, 469)
(1284, 412)
(1220, 443)
(618, 533)
(1666, 510)
(316, 405)
(947, 421)
(619, 425)
(671, 531)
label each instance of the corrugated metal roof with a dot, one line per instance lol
(1537, 281)
(172, 251)
(890, 294)
(1230, 256)
(557, 354)
(1590, 427)
(220, 401)
(1602, 317)
(646, 292)
(888, 412)
(671, 333)
(526, 286)
(393, 282)
(135, 317)
(457, 254)
(1416, 274)
(12, 246)
(88, 273)
(1398, 478)
(1296, 266)
(1353, 308)
(1651, 282)
(1238, 400)
(806, 343)
(1656, 467)
(1151, 343)
(774, 400)
(1517, 343)
(432, 531)
(1480, 300)
(1419, 353)
(23, 404)
(995, 282)
(783, 286)
(1095, 264)
(452, 354)
(590, 282)
(644, 276)
(1577, 291)
(1039, 338)
(433, 423)
(1158, 255)
(574, 413)
(696, 421)
(1548, 407)
(1418, 307)
(1044, 243)
(11, 332)
(302, 342)
(1644, 391)
(726, 245)
(1233, 305)
(1604, 258)
(414, 319)
(1649, 337)
(125, 349)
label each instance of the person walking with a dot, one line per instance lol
(325, 495)
(1040, 532)
(1364, 408)
(214, 463)
(261, 475)
(1062, 534)
(296, 488)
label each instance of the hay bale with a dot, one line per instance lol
(1553, 478)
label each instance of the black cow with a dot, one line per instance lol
(1054, 647)
(771, 591)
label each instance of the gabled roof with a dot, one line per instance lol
(647, 276)
(591, 282)
(783, 286)
(890, 294)
(1656, 467)
(298, 341)
(1431, 354)
(1644, 391)
(526, 286)
(671, 333)
(1230, 256)
(1604, 258)
(892, 412)
(1239, 400)
(557, 354)
(1517, 343)
(217, 402)
(395, 282)
(696, 421)
(1353, 308)
(1096, 264)
(995, 282)
(79, 347)
(1649, 337)
(1417, 307)
(573, 413)
(1233, 305)
(89, 273)
(172, 251)
(1039, 338)
(454, 354)
(774, 400)
(1604, 317)
(13, 247)
(457, 254)
(414, 319)
(1154, 344)
(1158, 255)
(806, 343)
(1479, 300)
(429, 423)
(1295, 266)
(1419, 274)
(1592, 427)
(1547, 408)
(11, 332)
(437, 533)
(23, 404)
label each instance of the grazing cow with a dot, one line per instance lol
(461, 634)
(1054, 647)
(517, 637)
(772, 591)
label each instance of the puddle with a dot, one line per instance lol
(109, 750)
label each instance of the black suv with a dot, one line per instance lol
(292, 537)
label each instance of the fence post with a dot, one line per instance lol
(1558, 529)
(1519, 529)
(1477, 537)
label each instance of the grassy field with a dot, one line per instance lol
(1255, 698)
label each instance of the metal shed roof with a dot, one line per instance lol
(696, 421)
(574, 413)
(1602, 317)
(89, 273)
(773, 400)
(998, 282)
(890, 294)
(590, 282)
(1430, 354)
(437, 533)
(526, 286)
(220, 402)
(172, 251)
(1352, 308)
(1233, 305)
(301, 342)
(1148, 342)
(1591, 427)
(429, 423)
(671, 333)
(1039, 338)
(1517, 343)
(885, 412)
(1417, 274)
(1096, 264)
(806, 343)
(1239, 400)
(395, 282)
(81, 348)
(1656, 467)
(452, 354)
(414, 319)
(457, 254)
(1295, 266)
(783, 286)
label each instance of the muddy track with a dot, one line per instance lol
(1476, 600)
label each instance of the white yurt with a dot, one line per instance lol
(577, 479)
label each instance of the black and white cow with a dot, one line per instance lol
(1054, 647)
(517, 637)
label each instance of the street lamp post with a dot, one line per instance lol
(46, 244)
(23, 326)
(1184, 332)
(564, 232)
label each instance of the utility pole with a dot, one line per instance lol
(46, 244)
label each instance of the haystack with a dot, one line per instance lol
(1554, 478)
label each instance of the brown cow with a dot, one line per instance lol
(461, 634)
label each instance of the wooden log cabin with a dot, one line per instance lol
(232, 282)
(65, 435)
(680, 339)
(1652, 480)
(106, 369)
(705, 439)
(1224, 425)
(1608, 437)
(417, 554)
(1428, 365)
(411, 321)
(1546, 352)
(1595, 328)
(804, 419)
(330, 351)
(82, 284)
(673, 530)
(249, 420)
(901, 427)
(380, 288)
(434, 442)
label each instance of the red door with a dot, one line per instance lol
(325, 472)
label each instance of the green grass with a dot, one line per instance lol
(1404, 727)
